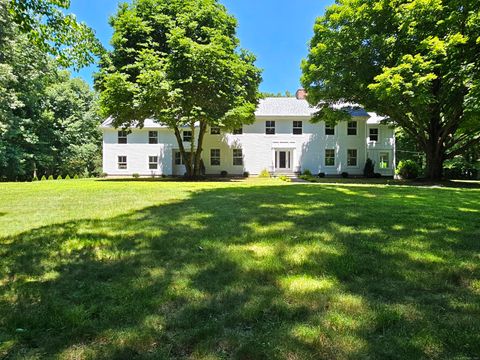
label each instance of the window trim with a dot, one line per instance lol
(269, 126)
(122, 165)
(184, 136)
(152, 139)
(298, 128)
(122, 134)
(216, 157)
(350, 128)
(380, 160)
(329, 127)
(370, 134)
(356, 158)
(237, 157)
(330, 157)
(150, 162)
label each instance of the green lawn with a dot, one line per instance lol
(260, 269)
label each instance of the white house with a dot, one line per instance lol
(281, 140)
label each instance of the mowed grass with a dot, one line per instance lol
(259, 269)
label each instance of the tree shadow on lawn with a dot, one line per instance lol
(282, 272)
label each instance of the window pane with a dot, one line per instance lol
(215, 157)
(352, 157)
(122, 162)
(153, 137)
(373, 135)
(215, 130)
(329, 157)
(352, 128)
(297, 128)
(122, 137)
(329, 129)
(237, 157)
(187, 136)
(270, 127)
(384, 161)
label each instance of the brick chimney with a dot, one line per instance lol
(301, 94)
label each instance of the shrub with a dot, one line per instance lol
(75, 177)
(285, 178)
(307, 172)
(43, 178)
(321, 175)
(345, 174)
(35, 178)
(264, 174)
(369, 169)
(59, 177)
(164, 176)
(223, 173)
(50, 177)
(408, 169)
(136, 175)
(378, 175)
(246, 174)
(459, 168)
(67, 177)
(103, 175)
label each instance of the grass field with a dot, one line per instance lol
(260, 269)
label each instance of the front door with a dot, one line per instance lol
(283, 160)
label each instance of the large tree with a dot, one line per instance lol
(415, 61)
(178, 62)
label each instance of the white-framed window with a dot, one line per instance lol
(329, 129)
(270, 127)
(237, 157)
(384, 160)
(153, 162)
(215, 130)
(238, 131)
(329, 157)
(153, 137)
(352, 157)
(178, 158)
(215, 157)
(373, 134)
(122, 162)
(352, 128)
(187, 136)
(122, 137)
(297, 128)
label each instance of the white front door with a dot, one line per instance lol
(283, 160)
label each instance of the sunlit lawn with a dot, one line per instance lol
(260, 269)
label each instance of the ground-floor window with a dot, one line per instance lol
(237, 157)
(384, 160)
(215, 157)
(329, 157)
(352, 157)
(178, 158)
(153, 162)
(122, 162)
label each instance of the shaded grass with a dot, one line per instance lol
(253, 270)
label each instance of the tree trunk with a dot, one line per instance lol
(198, 153)
(435, 155)
(187, 162)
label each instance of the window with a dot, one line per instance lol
(352, 128)
(352, 157)
(270, 127)
(187, 136)
(329, 157)
(238, 131)
(153, 137)
(153, 162)
(373, 134)
(215, 130)
(215, 157)
(178, 158)
(329, 129)
(297, 128)
(384, 161)
(122, 162)
(237, 157)
(122, 137)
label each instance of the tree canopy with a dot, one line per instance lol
(415, 61)
(179, 63)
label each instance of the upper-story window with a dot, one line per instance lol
(352, 128)
(297, 128)
(122, 137)
(270, 127)
(153, 162)
(373, 134)
(215, 130)
(329, 129)
(187, 136)
(153, 137)
(238, 131)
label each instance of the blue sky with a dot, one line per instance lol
(277, 31)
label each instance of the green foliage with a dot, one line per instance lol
(369, 169)
(285, 178)
(264, 174)
(51, 30)
(178, 62)
(43, 178)
(35, 178)
(246, 174)
(67, 177)
(345, 174)
(307, 172)
(59, 177)
(75, 177)
(50, 177)
(414, 61)
(407, 169)
(460, 168)
(135, 175)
